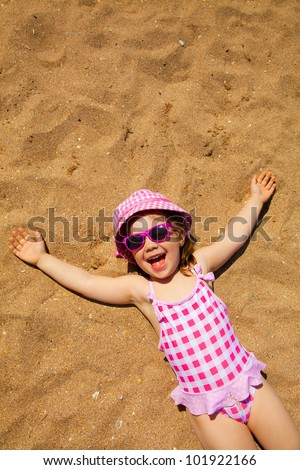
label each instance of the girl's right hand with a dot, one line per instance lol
(27, 248)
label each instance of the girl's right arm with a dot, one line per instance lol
(119, 290)
(240, 227)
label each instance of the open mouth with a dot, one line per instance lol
(157, 262)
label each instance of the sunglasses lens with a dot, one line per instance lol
(134, 242)
(158, 233)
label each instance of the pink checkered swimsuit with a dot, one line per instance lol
(215, 372)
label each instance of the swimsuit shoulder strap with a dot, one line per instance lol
(151, 293)
(197, 270)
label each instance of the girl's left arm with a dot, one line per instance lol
(240, 227)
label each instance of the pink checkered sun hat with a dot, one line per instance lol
(139, 201)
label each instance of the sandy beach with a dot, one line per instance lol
(98, 99)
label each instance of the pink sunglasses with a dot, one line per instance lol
(159, 233)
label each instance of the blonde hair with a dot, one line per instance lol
(187, 259)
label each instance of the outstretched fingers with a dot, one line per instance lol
(267, 180)
(18, 239)
(14, 247)
(16, 243)
(26, 247)
(264, 185)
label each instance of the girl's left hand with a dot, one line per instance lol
(263, 186)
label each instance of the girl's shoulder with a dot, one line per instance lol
(140, 287)
(202, 261)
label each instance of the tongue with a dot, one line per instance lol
(158, 264)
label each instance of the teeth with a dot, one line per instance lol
(155, 257)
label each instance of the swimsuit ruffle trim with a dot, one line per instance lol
(214, 401)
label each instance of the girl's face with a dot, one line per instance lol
(160, 260)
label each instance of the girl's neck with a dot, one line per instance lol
(167, 280)
(175, 288)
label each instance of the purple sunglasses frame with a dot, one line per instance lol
(147, 233)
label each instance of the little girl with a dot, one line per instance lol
(227, 400)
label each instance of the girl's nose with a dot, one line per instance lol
(149, 244)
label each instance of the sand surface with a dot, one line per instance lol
(100, 98)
